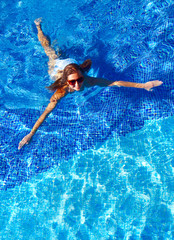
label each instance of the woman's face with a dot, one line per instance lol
(75, 80)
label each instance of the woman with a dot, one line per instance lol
(70, 77)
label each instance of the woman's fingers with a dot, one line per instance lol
(21, 144)
(24, 141)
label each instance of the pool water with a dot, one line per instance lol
(101, 165)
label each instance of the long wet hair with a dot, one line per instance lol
(62, 75)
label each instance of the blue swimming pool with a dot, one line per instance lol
(101, 166)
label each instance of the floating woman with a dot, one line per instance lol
(68, 77)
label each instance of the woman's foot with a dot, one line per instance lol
(151, 84)
(38, 21)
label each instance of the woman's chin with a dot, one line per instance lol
(75, 89)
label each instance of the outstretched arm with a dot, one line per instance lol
(28, 137)
(47, 111)
(104, 83)
(148, 85)
(53, 102)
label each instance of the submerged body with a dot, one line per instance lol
(70, 77)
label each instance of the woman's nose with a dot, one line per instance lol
(77, 85)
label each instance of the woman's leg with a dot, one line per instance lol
(50, 52)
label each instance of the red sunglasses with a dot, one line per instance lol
(73, 82)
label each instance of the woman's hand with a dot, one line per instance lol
(25, 140)
(151, 84)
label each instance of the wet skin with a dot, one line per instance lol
(76, 82)
(75, 77)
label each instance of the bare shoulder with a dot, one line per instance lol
(60, 93)
(92, 81)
